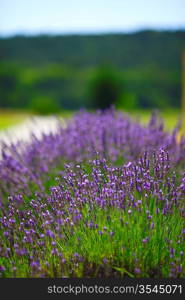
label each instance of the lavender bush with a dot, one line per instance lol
(103, 197)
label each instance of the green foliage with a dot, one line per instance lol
(44, 106)
(127, 101)
(129, 231)
(148, 65)
(104, 88)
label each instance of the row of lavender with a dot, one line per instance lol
(99, 219)
(110, 134)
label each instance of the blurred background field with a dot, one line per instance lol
(45, 74)
(134, 65)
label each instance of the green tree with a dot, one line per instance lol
(104, 88)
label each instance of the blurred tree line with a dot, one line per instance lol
(138, 70)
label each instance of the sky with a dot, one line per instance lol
(89, 16)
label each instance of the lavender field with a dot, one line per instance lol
(103, 196)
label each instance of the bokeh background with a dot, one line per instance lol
(59, 56)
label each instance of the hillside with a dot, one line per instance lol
(148, 64)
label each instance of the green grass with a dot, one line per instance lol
(10, 118)
(170, 117)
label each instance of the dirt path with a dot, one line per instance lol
(36, 125)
